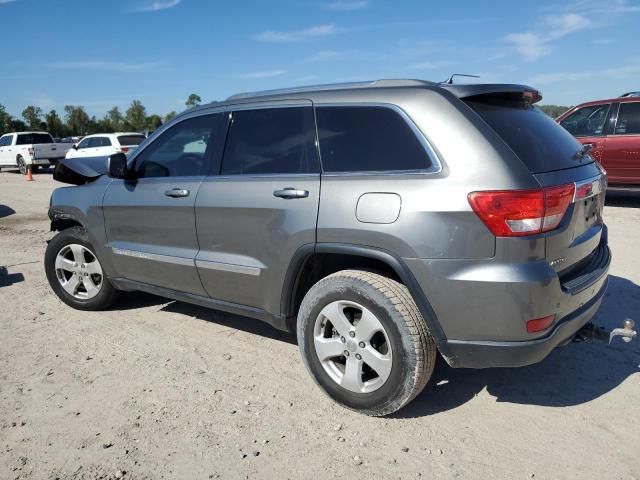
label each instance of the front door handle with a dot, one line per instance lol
(291, 192)
(177, 193)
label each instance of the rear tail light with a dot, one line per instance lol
(540, 324)
(515, 213)
(124, 149)
(31, 151)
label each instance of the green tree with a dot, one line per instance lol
(553, 111)
(32, 116)
(6, 122)
(193, 101)
(114, 119)
(54, 124)
(77, 119)
(169, 116)
(136, 117)
(154, 122)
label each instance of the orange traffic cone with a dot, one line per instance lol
(29, 174)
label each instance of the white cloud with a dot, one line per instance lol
(273, 36)
(432, 65)
(106, 66)
(620, 72)
(346, 6)
(322, 56)
(158, 5)
(6, 1)
(263, 74)
(535, 45)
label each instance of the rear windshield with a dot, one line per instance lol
(535, 138)
(130, 140)
(33, 138)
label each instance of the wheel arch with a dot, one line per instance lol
(301, 276)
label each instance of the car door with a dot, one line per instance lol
(588, 124)
(83, 148)
(7, 158)
(101, 146)
(150, 220)
(622, 152)
(254, 216)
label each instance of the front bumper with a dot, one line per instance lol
(479, 354)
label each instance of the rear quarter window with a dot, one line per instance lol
(368, 139)
(540, 143)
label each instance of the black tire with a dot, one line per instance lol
(76, 235)
(414, 350)
(22, 166)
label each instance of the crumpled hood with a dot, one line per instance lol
(78, 171)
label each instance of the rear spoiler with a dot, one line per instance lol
(476, 90)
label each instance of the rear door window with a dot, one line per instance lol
(540, 143)
(628, 119)
(271, 141)
(367, 139)
(587, 121)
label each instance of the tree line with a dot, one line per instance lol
(76, 121)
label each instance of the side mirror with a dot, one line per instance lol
(117, 166)
(75, 146)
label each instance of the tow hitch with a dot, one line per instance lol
(592, 332)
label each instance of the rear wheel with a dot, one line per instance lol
(75, 273)
(22, 166)
(365, 342)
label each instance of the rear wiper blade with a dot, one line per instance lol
(584, 150)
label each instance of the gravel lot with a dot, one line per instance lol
(162, 389)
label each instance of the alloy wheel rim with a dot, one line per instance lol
(78, 271)
(352, 346)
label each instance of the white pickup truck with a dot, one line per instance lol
(21, 149)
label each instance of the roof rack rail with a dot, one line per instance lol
(335, 86)
(630, 94)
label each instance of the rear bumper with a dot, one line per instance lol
(476, 354)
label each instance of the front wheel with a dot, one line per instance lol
(75, 273)
(364, 341)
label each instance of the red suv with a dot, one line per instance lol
(612, 127)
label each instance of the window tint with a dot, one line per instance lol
(84, 143)
(273, 140)
(358, 139)
(34, 139)
(183, 150)
(4, 141)
(130, 140)
(628, 119)
(587, 121)
(538, 141)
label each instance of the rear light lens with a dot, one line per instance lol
(516, 213)
(124, 149)
(31, 151)
(540, 324)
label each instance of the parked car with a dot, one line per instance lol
(35, 149)
(381, 221)
(104, 144)
(612, 129)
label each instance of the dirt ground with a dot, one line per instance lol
(162, 389)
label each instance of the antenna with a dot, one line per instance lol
(449, 81)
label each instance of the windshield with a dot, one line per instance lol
(130, 140)
(34, 139)
(540, 143)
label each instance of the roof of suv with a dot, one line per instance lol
(459, 90)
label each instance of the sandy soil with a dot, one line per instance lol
(161, 389)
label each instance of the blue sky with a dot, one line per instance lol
(101, 53)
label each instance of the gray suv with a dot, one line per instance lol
(382, 221)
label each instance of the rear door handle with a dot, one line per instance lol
(291, 192)
(177, 193)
